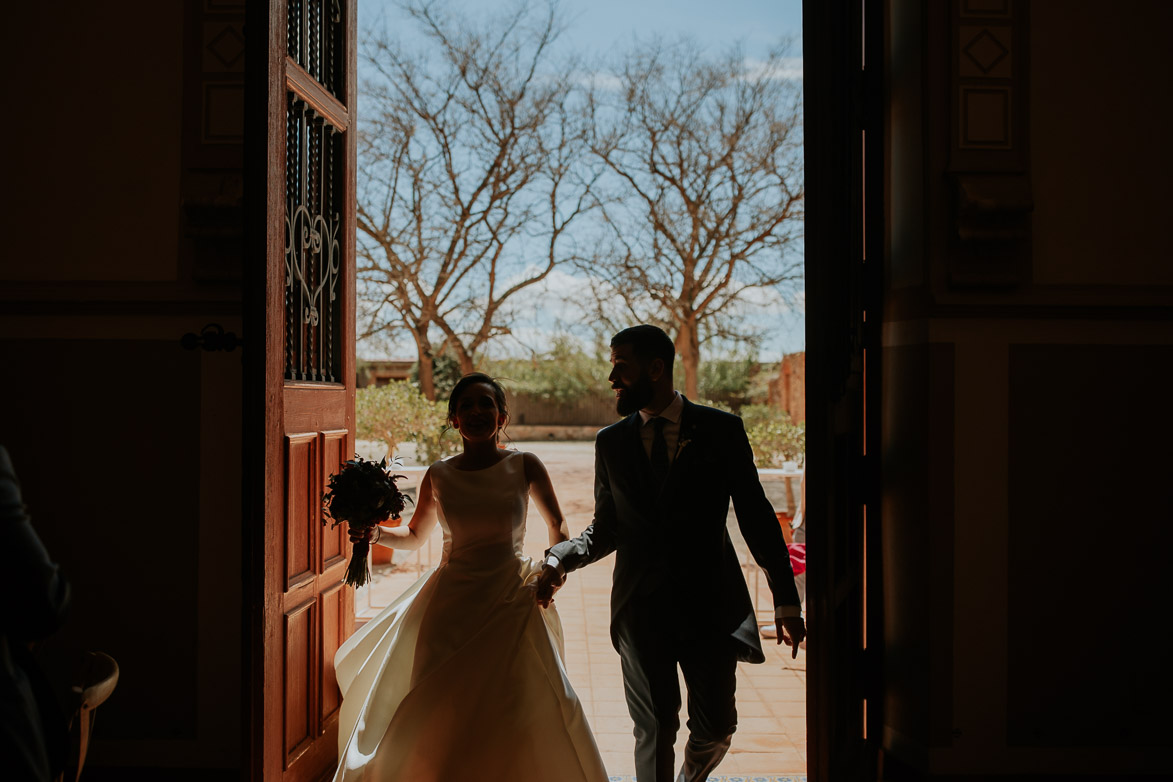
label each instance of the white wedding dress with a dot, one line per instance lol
(461, 678)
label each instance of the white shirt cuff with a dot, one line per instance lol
(781, 612)
(556, 563)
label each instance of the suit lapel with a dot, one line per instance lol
(640, 467)
(687, 431)
(684, 445)
(636, 458)
(634, 449)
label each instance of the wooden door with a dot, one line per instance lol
(301, 376)
(844, 244)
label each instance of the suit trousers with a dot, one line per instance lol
(649, 658)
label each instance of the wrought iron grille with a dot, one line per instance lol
(313, 255)
(315, 41)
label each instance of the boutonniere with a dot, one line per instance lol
(682, 444)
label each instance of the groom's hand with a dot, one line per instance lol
(547, 584)
(793, 631)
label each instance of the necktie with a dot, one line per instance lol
(659, 450)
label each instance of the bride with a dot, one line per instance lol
(461, 677)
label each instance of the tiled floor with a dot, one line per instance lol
(770, 743)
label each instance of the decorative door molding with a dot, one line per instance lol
(989, 148)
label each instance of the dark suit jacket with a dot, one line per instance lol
(675, 565)
(35, 599)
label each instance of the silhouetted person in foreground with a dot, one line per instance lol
(664, 476)
(35, 597)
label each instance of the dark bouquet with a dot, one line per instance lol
(362, 494)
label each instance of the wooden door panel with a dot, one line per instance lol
(299, 651)
(332, 608)
(319, 608)
(300, 486)
(333, 539)
(314, 407)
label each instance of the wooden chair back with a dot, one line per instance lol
(98, 677)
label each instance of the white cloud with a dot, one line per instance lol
(768, 298)
(600, 80)
(786, 68)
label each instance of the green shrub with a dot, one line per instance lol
(562, 374)
(726, 379)
(775, 439)
(398, 413)
(734, 382)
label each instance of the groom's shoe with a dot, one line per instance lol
(701, 757)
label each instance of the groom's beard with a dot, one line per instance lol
(635, 397)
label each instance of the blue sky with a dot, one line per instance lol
(597, 26)
(756, 23)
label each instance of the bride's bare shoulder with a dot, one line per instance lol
(534, 467)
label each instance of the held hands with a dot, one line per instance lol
(793, 631)
(547, 583)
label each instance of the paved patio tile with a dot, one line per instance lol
(603, 709)
(605, 692)
(752, 707)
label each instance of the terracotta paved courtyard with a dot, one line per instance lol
(770, 743)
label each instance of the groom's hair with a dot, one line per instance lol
(648, 342)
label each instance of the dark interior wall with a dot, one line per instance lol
(118, 213)
(1087, 663)
(918, 551)
(1028, 374)
(1100, 148)
(99, 141)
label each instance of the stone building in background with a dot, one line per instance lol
(382, 372)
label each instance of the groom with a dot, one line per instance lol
(664, 476)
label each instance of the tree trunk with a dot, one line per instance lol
(427, 374)
(465, 358)
(689, 348)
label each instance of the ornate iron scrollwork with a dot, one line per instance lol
(312, 267)
(313, 253)
(314, 155)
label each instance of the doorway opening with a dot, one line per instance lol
(771, 740)
(295, 425)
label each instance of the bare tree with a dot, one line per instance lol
(471, 170)
(706, 208)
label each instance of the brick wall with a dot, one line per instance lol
(788, 389)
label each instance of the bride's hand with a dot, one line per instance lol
(358, 534)
(547, 584)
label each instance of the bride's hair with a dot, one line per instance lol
(470, 379)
